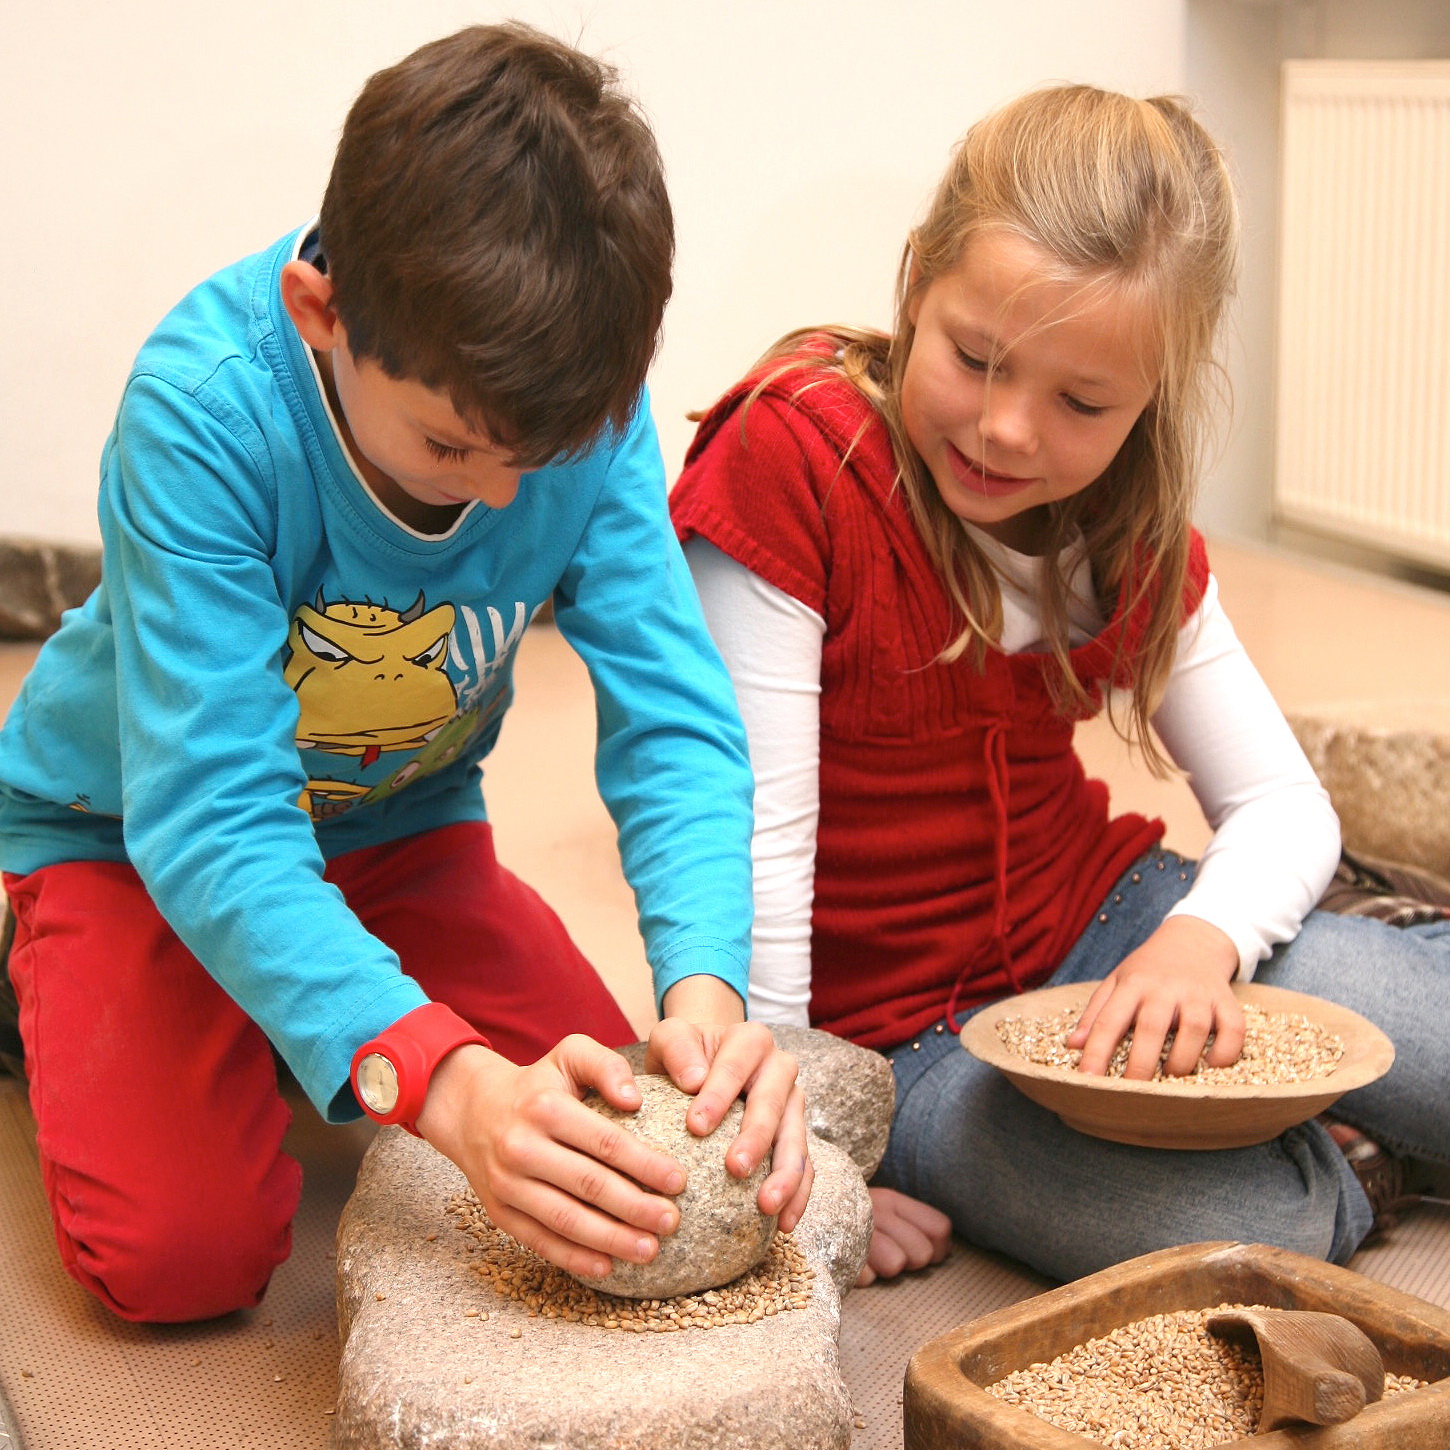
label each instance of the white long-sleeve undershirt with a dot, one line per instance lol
(1275, 836)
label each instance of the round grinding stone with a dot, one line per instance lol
(722, 1232)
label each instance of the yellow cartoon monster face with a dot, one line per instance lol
(367, 678)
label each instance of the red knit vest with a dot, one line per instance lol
(961, 850)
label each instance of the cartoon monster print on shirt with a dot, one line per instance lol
(368, 679)
(371, 681)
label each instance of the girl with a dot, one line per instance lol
(925, 557)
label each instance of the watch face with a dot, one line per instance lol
(377, 1083)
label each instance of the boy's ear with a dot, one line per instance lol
(307, 296)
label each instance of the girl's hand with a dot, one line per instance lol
(716, 1060)
(1179, 978)
(556, 1175)
(905, 1234)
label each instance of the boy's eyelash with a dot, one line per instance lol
(443, 453)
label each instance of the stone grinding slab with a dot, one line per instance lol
(417, 1371)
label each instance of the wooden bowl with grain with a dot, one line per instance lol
(946, 1405)
(1182, 1112)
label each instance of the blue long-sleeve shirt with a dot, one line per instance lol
(275, 670)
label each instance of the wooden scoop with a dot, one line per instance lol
(1317, 1367)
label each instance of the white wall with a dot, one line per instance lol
(149, 142)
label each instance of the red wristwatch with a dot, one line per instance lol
(390, 1074)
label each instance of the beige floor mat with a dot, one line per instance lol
(884, 1325)
(79, 1379)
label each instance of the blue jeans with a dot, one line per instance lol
(1014, 1178)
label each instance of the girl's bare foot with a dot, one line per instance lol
(907, 1234)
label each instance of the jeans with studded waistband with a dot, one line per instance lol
(1014, 1178)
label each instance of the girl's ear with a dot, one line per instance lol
(917, 286)
(307, 296)
(913, 290)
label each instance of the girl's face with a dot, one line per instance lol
(1071, 373)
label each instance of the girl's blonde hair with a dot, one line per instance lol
(1134, 195)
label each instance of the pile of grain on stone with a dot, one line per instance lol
(1279, 1047)
(779, 1283)
(1161, 1383)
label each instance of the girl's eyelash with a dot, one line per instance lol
(443, 453)
(979, 365)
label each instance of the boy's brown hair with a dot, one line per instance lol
(496, 226)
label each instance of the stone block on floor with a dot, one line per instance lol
(1389, 781)
(39, 581)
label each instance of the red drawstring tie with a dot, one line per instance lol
(994, 756)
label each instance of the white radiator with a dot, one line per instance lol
(1363, 427)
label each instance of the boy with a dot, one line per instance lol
(238, 793)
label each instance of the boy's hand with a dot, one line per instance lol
(905, 1234)
(559, 1177)
(1179, 978)
(706, 1049)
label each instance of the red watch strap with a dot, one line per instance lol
(415, 1044)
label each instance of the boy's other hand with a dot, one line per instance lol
(1177, 981)
(559, 1177)
(905, 1234)
(716, 1058)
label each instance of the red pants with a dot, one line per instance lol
(155, 1097)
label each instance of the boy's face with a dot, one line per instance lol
(412, 436)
